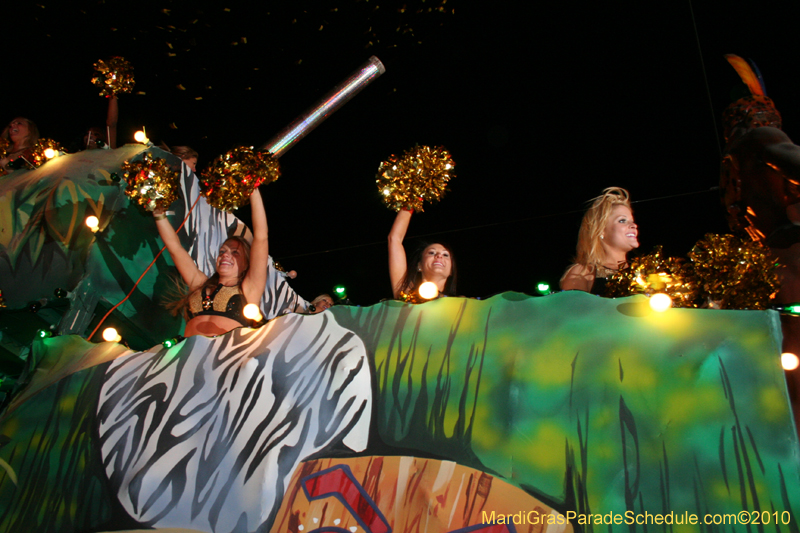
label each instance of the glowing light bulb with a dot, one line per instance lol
(386, 192)
(543, 287)
(93, 222)
(50, 153)
(341, 292)
(428, 290)
(789, 361)
(252, 312)
(111, 335)
(140, 137)
(660, 302)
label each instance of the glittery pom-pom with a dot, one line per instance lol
(115, 76)
(420, 174)
(151, 182)
(733, 273)
(655, 273)
(230, 179)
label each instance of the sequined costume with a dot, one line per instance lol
(224, 301)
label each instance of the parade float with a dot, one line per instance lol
(513, 413)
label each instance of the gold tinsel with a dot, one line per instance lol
(420, 174)
(5, 144)
(115, 76)
(38, 157)
(733, 273)
(412, 298)
(152, 183)
(654, 273)
(230, 179)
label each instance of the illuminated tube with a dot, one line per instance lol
(325, 107)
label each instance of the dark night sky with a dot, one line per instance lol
(542, 107)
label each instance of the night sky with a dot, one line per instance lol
(542, 105)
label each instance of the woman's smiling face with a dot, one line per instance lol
(435, 262)
(621, 232)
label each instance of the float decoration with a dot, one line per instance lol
(421, 174)
(654, 273)
(115, 76)
(5, 144)
(231, 178)
(733, 273)
(152, 183)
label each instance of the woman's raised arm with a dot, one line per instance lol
(397, 254)
(256, 279)
(186, 266)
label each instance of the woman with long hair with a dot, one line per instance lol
(430, 262)
(214, 304)
(607, 234)
(21, 134)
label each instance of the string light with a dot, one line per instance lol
(93, 222)
(49, 153)
(543, 288)
(789, 361)
(428, 290)
(169, 343)
(111, 335)
(141, 136)
(44, 333)
(660, 302)
(340, 291)
(788, 309)
(252, 312)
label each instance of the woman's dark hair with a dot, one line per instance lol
(413, 277)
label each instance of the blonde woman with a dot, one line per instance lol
(608, 232)
(22, 134)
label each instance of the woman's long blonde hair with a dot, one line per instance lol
(590, 250)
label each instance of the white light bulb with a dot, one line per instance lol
(660, 302)
(789, 361)
(252, 312)
(111, 335)
(93, 222)
(429, 290)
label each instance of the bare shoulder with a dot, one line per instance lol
(578, 278)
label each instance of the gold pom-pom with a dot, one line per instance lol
(44, 150)
(115, 76)
(152, 183)
(733, 273)
(231, 178)
(654, 273)
(420, 174)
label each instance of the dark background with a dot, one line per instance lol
(542, 105)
